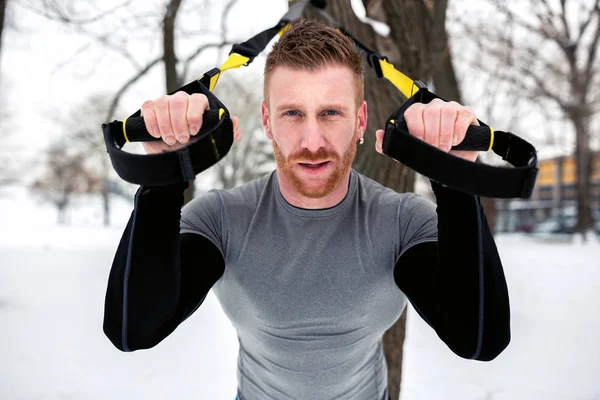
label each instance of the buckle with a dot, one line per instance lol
(373, 61)
(244, 50)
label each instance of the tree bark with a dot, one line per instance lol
(2, 17)
(407, 47)
(585, 221)
(445, 81)
(172, 78)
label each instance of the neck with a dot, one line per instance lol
(297, 200)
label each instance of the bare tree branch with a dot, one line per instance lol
(51, 9)
(563, 18)
(593, 50)
(115, 102)
(199, 51)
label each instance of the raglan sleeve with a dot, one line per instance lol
(417, 219)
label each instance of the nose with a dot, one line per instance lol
(312, 135)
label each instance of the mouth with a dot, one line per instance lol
(314, 166)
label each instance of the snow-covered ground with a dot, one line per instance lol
(52, 284)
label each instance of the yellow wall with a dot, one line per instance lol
(549, 169)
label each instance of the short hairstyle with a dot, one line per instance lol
(311, 45)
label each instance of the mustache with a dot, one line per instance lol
(307, 155)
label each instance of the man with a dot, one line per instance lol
(313, 262)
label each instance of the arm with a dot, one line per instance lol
(156, 280)
(457, 284)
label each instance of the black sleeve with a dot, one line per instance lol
(157, 279)
(457, 284)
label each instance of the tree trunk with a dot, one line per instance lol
(172, 78)
(445, 82)
(584, 170)
(105, 191)
(105, 202)
(2, 17)
(407, 48)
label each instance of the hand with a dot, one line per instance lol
(440, 124)
(176, 119)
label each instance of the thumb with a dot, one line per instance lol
(236, 129)
(379, 141)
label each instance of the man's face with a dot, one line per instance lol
(314, 123)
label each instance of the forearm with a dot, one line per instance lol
(155, 282)
(458, 284)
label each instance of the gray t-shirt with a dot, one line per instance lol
(311, 292)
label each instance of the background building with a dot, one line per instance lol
(554, 199)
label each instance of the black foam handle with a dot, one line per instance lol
(136, 131)
(477, 138)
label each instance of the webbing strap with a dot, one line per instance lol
(200, 154)
(402, 82)
(204, 150)
(244, 53)
(469, 177)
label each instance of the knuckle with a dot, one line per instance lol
(466, 111)
(433, 109)
(177, 101)
(449, 112)
(413, 111)
(148, 105)
(162, 103)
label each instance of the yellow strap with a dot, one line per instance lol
(491, 138)
(125, 130)
(398, 79)
(285, 28)
(213, 81)
(234, 61)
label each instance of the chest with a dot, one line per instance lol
(309, 274)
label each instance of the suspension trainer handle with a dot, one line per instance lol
(465, 176)
(134, 128)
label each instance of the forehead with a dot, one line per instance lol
(324, 84)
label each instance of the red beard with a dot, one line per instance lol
(342, 164)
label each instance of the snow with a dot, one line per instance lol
(53, 281)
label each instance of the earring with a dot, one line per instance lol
(361, 140)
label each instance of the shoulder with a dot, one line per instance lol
(214, 210)
(375, 194)
(246, 195)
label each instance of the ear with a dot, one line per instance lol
(264, 111)
(361, 120)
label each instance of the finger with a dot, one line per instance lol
(449, 115)
(432, 115)
(464, 119)
(178, 105)
(414, 120)
(197, 104)
(149, 116)
(163, 120)
(379, 140)
(237, 134)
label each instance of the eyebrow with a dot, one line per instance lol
(293, 106)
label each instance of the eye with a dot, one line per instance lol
(291, 113)
(330, 112)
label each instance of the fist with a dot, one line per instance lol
(440, 124)
(176, 119)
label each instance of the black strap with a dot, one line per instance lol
(465, 176)
(209, 147)
(205, 149)
(182, 165)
